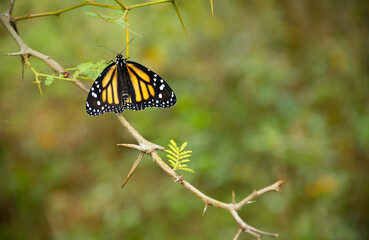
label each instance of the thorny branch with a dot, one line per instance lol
(144, 146)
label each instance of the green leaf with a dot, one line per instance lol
(92, 14)
(188, 170)
(76, 73)
(173, 143)
(122, 23)
(175, 150)
(100, 65)
(82, 67)
(170, 152)
(186, 152)
(172, 157)
(183, 146)
(49, 80)
(177, 156)
(89, 69)
(184, 156)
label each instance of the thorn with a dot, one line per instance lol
(205, 208)
(237, 234)
(255, 234)
(129, 145)
(233, 196)
(255, 193)
(212, 7)
(134, 166)
(251, 202)
(14, 54)
(23, 62)
(160, 148)
(39, 86)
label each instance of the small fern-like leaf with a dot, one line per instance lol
(177, 156)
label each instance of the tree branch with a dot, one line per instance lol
(26, 51)
(121, 4)
(82, 4)
(148, 4)
(143, 146)
(59, 12)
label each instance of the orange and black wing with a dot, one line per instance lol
(146, 88)
(106, 92)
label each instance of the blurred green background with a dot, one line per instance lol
(266, 90)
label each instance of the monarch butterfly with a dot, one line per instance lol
(128, 85)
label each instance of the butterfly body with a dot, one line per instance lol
(128, 85)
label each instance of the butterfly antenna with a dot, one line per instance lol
(127, 45)
(108, 49)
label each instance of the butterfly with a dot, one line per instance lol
(128, 85)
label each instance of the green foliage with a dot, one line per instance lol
(111, 19)
(106, 17)
(49, 80)
(89, 69)
(177, 156)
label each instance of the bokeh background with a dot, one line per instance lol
(266, 90)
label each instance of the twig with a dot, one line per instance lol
(87, 3)
(148, 4)
(121, 4)
(59, 12)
